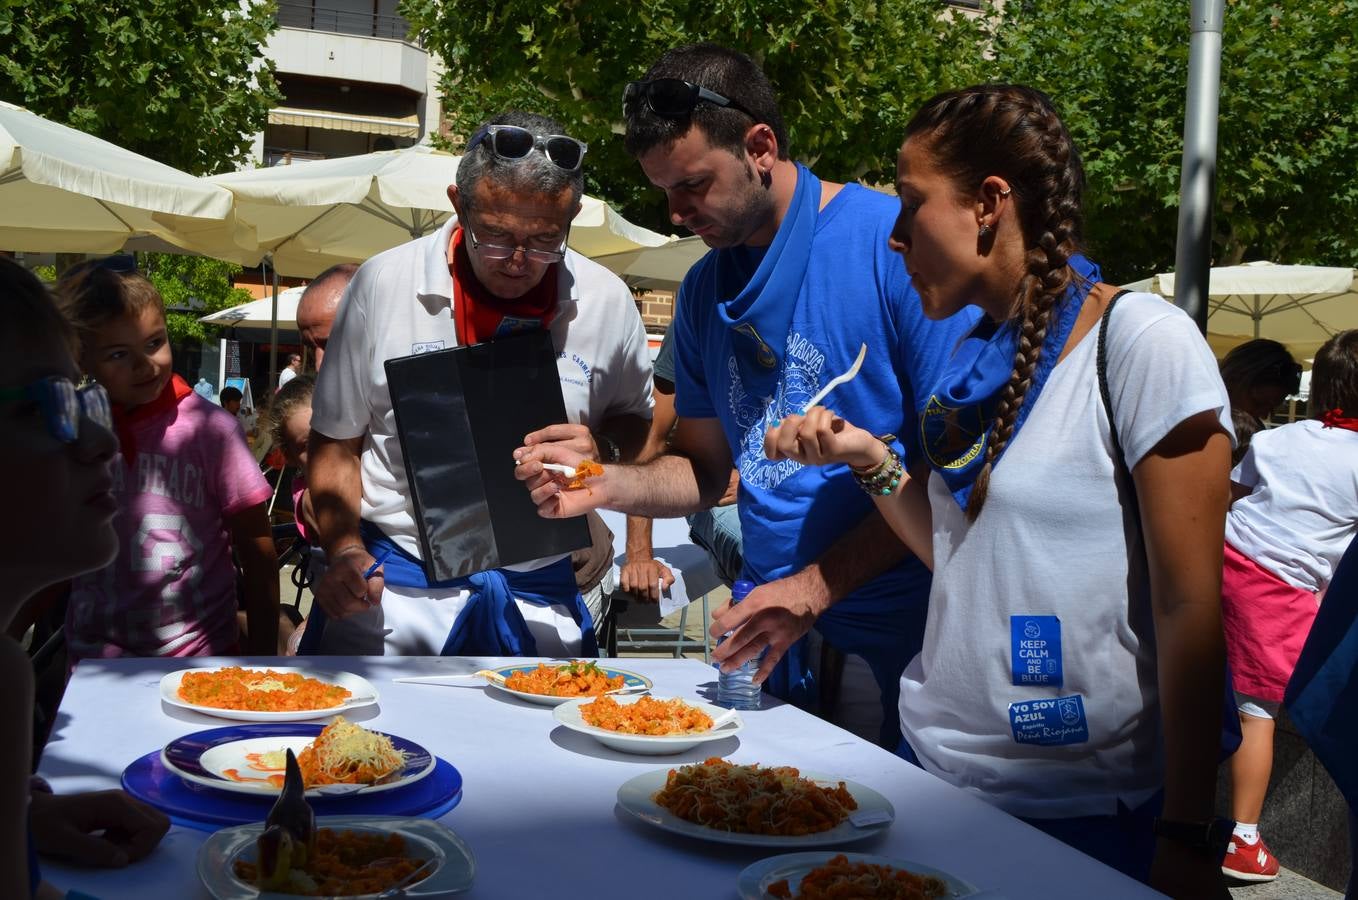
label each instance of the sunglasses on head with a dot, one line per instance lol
(674, 98)
(63, 405)
(121, 262)
(512, 142)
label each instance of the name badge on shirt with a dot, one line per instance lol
(1036, 649)
(1049, 721)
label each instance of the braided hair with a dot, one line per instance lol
(1013, 132)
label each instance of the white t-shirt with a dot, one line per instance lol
(400, 303)
(1054, 541)
(1303, 511)
(285, 376)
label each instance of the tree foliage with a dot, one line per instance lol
(848, 72)
(185, 83)
(1288, 128)
(194, 283)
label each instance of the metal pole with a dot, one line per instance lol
(1197, 186)
(273, 337)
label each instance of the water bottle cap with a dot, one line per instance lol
(740, 590)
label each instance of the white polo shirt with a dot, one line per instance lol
(399, 303)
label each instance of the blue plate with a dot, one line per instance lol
(204, 756)
(208, 809)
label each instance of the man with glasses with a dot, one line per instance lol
(798, 278)
(500, 267)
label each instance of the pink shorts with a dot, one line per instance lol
(1266, 621)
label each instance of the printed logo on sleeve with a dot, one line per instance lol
(1049, 721)
(1036, 649)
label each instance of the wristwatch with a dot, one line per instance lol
(1211, 836)
(608, 448)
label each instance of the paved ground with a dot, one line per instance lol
(1288, 886)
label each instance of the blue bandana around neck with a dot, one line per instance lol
(758, 307)
(956, 423)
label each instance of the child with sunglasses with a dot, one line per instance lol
(60, 525)
(1295, 513)
(188, 489)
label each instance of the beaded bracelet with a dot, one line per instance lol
(884, 477)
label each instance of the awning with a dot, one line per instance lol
(408, 126)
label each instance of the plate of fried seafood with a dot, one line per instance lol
(258, 694)
(341, 758)
(551, 684)
(646, 724)
(766, 806)
(827, 875)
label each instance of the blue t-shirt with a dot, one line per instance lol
(855, 291)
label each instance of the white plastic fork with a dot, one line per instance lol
(842, 379)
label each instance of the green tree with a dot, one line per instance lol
(1288, 133)
(848, 72)
(182, 82)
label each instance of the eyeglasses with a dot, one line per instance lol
(500, 251)
(512, 142)
(63, 405)
(674, 98)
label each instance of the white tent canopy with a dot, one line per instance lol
(309, 216)
(258, 313)
(1299, 306)
(62, 190)
(661, 267)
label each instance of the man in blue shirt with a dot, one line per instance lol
(798, 279)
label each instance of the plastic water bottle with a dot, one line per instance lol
(737, 690)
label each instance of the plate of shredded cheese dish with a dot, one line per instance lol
(826, 875)
(355, 856)
(274, 694)
(756, 805)
(551, 684)
(646, 724)
(340, 758)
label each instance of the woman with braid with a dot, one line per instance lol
(1072, 664)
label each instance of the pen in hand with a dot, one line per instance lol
(377, 564)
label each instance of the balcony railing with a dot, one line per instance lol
(296, 14)
(277, 156)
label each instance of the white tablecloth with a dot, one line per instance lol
(538, 807)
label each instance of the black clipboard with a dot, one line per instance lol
(460, 414)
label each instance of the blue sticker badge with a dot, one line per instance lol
(1036, 649)
(1051, 720)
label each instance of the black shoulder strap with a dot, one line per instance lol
(1102, 366)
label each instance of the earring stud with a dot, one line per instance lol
(1006, 192)
(984, 231)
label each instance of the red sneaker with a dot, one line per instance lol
(1249, 862)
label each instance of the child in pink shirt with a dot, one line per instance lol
(188, 491)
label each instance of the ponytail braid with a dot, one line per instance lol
(1014, 132)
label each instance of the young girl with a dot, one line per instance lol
(57, 436)
(290, 430)
(1295, 514)
(1072, 664)
(188, 489)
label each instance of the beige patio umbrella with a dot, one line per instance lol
(657, 268)
(65, 191)
(1299, 306)
(309, 216)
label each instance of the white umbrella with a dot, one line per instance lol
(258, 313)
(62, 190)
(309, 216)
(661, 267)
(1299, 306)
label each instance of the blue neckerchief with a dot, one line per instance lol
(956, 423)
(490, 624)
(758, 307)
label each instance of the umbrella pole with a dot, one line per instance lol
(1193, 253)
(273, 336)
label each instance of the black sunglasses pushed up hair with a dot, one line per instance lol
(512, 142)
(674, 98)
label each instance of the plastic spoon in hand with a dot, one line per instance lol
(842, 379)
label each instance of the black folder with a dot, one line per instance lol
(460, 415)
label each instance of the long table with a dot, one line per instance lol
(538, 806)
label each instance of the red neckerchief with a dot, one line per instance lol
(1335, 418)
(481, 316)
(124, 419)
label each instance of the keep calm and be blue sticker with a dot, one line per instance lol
(1049, 721)
(1036, 651)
